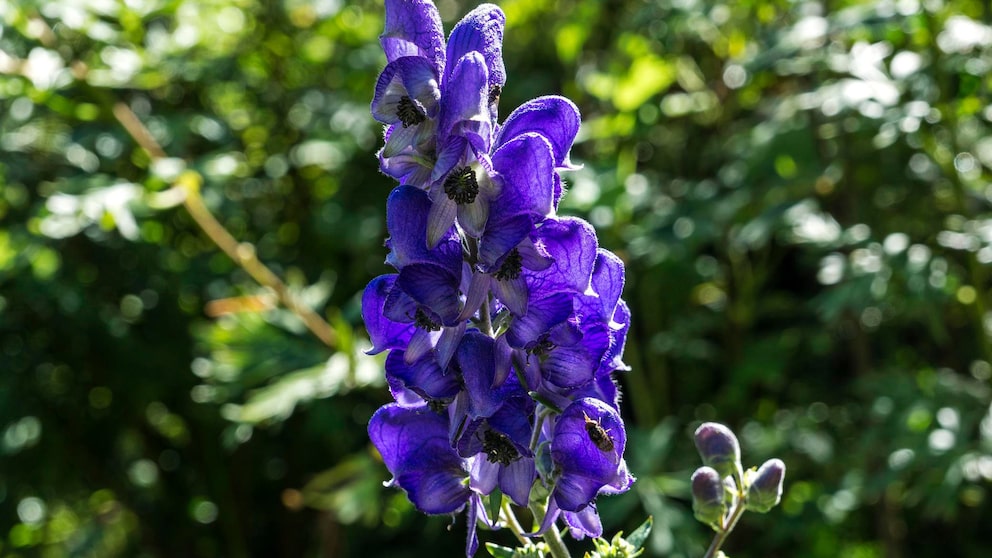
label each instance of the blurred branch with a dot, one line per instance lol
(243, 253)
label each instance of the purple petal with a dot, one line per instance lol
(465, 99)
(587, 462)
(556, 118)
(448, 342)
(413, 443)
(424, 377)
(408, 166)
(383, 332)
(585, 523)
(608, 279)
(407, 214)
(572, 243)
(541, 316)
(481, 30)
(412, 77)
(502, 236)
(525, 167)
(570, 367)
(413, 28)
(476, 360)
(517, 478)
(513, 294)
(440, 219)
(434, 287)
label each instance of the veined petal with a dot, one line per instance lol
(554, 117)
(513, 294)
(517, 478)
(608, 279)
(502, 235)
(541, 316)
(413, 28)
(448, 342)
(525, 167)
(440, 218)
(572, 243)
(475, 358)
(478, 290)
(570, 367)
(412, 77)
(472, 216)
(409, 167)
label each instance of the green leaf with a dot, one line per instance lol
(499, 551)
(495, 500)
(639, 535)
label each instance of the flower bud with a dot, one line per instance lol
(719, 448)
(708, 502)
(764, 491)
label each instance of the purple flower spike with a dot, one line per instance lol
(413, 443)
(587, 447)
(497, 302)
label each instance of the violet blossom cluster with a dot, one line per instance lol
(503, 321)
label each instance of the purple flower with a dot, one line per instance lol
(414, 445)
(587, 450)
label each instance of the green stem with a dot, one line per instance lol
(721, 537)
(513, 523)
(552, 537)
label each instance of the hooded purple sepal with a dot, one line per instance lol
(587, 448)
(413, 442)
(556, 118)
(481, 30)
(413, 28)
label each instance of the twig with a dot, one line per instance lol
(243, 253)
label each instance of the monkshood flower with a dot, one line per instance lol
(586, 448)
(503, 322)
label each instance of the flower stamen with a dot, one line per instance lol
(461, 186)
(408, 112)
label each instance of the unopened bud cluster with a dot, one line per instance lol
(722, 489)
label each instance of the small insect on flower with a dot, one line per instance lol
(598, 435)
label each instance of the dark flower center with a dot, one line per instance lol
(408, 112)
(494, 93)
(498, 448)
(461, 186)
(511, 267)
(437, 405)
(423, 321)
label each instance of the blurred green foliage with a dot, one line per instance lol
(800, 190)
